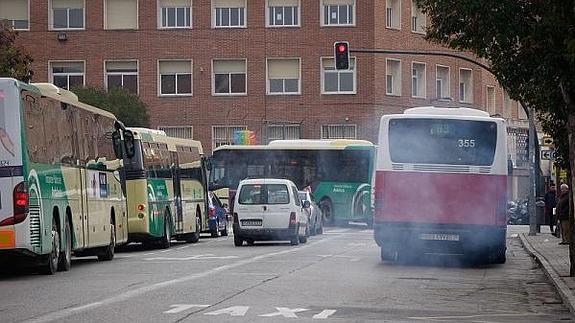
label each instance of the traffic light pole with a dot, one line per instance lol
(532, 136)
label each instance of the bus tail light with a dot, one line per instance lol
(21, 199)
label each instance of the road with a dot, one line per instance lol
(335, 277)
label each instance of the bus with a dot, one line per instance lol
(166, 187)
(60, 191)
(338, 172)
(441, 184)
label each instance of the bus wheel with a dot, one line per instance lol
(325, 207)
(66, 254)
(108, 253)
(392, 254)
(195, 237)
(167, 238)
(51, 259)
(238, 241)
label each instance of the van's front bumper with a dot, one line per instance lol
(262, 234)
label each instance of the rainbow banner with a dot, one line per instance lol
(244, 137)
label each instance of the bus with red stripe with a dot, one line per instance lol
(441, 184)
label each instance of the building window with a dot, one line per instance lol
(490, 100)
(229, 13)
(506, 106)
(229, 77)
(175, 77)
(186, 132)
(175, 13)
(122, 74)
(282, 13)
(338, 12)
(338, 81)
(442, 82)
(393, 77)
(418, 80)
(418, 19)
(67, 14)
(283, 76)
(393, 14)
(16, 13)
(224, 135)
(465, 85)
(67, 75)
(339, 131)
(283, 131)
(121, 14)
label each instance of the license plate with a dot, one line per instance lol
(252, 223)
(439, 236)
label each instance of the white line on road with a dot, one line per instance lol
(58, 315)
(459, 317)
(198, 257)
(324, 314)
(177, 308)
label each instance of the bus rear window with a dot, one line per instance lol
(264, 194)
(442, 141)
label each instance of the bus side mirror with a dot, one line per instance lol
(129, 144)
(117, 144)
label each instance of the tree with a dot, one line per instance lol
(127, 107)
(13, 62)
(531, 48)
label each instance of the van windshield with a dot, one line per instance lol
(264, 194)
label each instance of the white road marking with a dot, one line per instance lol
(197, 257)
(356, 244)
(459, 317)
(285, 312)
(335, 231)
(60, 314)
(177, 308)
(233, 311)
(324, 314)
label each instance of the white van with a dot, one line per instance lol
(269, 209)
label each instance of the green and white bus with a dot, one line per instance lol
(60, 190)
(166, 185)
(339, 172)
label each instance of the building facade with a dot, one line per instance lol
(207, 68)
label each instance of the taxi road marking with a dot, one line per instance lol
(243, 310)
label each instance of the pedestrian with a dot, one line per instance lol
(563, 214)
(550, 203)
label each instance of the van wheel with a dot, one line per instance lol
(238, 242)
(66, 255)
(51, 265)
(108, 253)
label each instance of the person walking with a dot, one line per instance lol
(550, 203)
(563, 214)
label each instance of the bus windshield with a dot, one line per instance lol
(442, 141)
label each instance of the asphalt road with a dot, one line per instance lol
(335, 277)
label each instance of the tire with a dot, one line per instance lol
(195, 237)
(65, 260)
(250, 242)
(166, 240)
(326, 211)
(108, 253)
(499, 257)
(303, 239)
(392, 254)
(215, 232)
(238, 241)
(50, 261)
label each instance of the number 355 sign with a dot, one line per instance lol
(466, 143)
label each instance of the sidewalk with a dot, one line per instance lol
(553, 258)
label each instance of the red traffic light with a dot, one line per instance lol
(342, 48)
(341, 55)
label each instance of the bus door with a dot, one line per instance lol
(176, 177)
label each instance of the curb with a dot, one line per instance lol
(566, 294)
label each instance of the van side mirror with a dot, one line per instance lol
(306, 204)
(129, 143)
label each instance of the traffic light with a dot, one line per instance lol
(341, 55)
